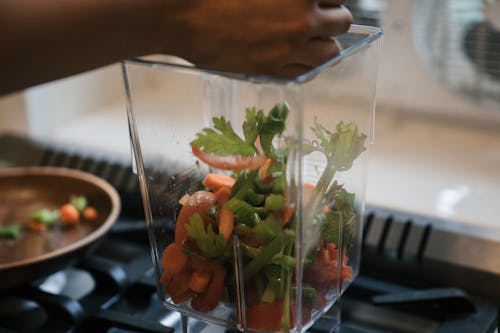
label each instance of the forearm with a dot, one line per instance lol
(45, 40)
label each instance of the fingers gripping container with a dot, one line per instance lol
(254, 187)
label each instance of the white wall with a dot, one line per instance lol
(41, 110)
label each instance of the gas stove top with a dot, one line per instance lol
(408, 282)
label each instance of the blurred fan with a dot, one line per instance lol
(459, 40)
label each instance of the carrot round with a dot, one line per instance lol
(184, 199)
(265, 316)
(230, 162)
(90, 214)
(199, 281)
(178, 284)
(182, 297)
(36, 226)
(173, 259)
(226, 223)
(209, 299)
(69, 214)
(215, 181)
(200, 202)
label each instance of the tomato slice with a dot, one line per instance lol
(230, 162)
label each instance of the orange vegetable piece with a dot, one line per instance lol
(289, 210)
(200, 202)
(230, 162)
(165, 278)
(209, 299)
(173, 259)
(223, 195)
(322, 273)
(36, 226)
(199, 281)
(263, 169)
(69, 214)
(90, 214)
(182, 297)
(226, 223)
(215, 181)
(184, 199)
(265, 316)
(178, 284)
(307, 191)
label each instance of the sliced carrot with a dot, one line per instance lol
(209, 299)
(173, 259)
(181, 298)
(201, 265)
(230, 162)
(332, 249)
(200, 202)
(226, 223)
(223, 195)
(90, 214)
(215, 181)
(346, 272)
(184, 199)
(199, 281)
(69, 214)
(265, 316)
(165, 278)
(179, 283)
(36, 226)
(264, 168)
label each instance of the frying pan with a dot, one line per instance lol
(37, 254)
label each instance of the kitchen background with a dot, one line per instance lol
(433, 190)
(437, 137)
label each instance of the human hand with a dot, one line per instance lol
(275, 37)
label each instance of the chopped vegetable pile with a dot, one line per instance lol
(255, 207)
(68, 214)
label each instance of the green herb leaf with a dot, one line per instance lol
(340, 148)
(224, 141)
(244, 183)
(343, 213)
(79, 201)
(273, 124)
(45, 216)
(211, 245)
(252, 124)
(10, 231)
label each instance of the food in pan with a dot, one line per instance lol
(70, 213)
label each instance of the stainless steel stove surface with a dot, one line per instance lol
(407, 284)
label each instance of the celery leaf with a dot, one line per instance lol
(222, 140)
(211, 245)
